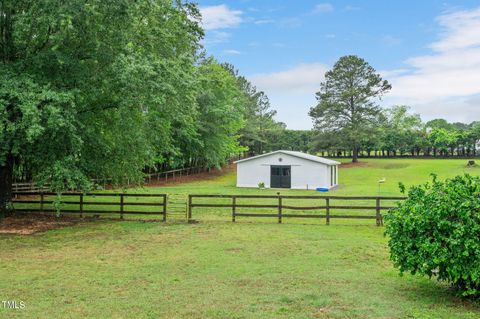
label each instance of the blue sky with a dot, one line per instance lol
(428, 50)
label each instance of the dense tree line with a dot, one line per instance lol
(107, 89)
(400, 133)
(349, 122)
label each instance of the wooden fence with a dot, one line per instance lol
(28, 187)
(81, 203)
(280, 206)
(172, 174)
(25, 187)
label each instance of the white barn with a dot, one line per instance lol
(287, 169)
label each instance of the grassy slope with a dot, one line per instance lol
(224, 270)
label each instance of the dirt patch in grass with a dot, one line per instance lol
(27, 224)
(395, 165)
(352, 165)
(214, 173)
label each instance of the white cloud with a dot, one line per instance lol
(215, 37)
(322, 8)
(442, 83)
(290, 23)
(461, 30)
(232, 52)
(303, 78)
(292, 91)
(393, 73)
(220, 17)
(264, 21)
(391, 41)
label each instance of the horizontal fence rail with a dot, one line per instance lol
(28, 187)
(261, 206)
(24, 187)
(91, 203)
(279, 207)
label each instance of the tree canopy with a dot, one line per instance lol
(106, 89)
(346, 100)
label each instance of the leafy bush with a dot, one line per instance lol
(261, 185)
(436, 232)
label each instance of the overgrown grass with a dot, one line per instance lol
(219, 269)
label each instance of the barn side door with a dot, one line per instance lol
(280, 176)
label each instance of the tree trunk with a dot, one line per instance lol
(355, 154)
(6, 179)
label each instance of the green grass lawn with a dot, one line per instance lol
(219, 269)
(361, 180)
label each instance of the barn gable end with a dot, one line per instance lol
(287, 169)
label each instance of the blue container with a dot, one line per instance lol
(322, 189)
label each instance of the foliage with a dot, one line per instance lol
(219, 100)
(436, 232)
(105, 90)
(260, 130)
(346, 101)
(399, 132)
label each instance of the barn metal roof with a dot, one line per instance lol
(309, 157)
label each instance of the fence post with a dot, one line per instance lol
(378, 216)
(121, 206)
(41, 202)
(327, 205)
(190, 207)
(279, 208)
(81, 205)
(234, 207)
(164, 207)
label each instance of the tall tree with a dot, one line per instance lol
(220, 108)
(346, 101)
(260, 128)
(83, 85)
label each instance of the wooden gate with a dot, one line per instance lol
(177, 207)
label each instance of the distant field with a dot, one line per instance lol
(218, 269)
(358, 180)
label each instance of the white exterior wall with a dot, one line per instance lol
(329, 175)
(305, 173)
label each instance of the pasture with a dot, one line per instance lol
(218, 269)
(361, 179)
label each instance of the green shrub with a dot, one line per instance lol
(436, 232)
